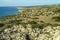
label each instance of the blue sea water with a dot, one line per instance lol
(5, 11)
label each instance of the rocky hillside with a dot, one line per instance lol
(32, 23)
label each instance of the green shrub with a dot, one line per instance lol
(57, 18)
(2, 24)
(38, 26)
(32, 22)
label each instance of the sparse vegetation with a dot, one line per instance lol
(35, 21)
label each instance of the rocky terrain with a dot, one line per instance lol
(19, 32)
(32, 23)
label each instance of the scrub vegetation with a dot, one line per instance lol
(32, 23)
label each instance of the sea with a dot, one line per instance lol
(5, 11)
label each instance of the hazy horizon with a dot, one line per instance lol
(28, 2)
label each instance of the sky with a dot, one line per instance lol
(27, 2)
